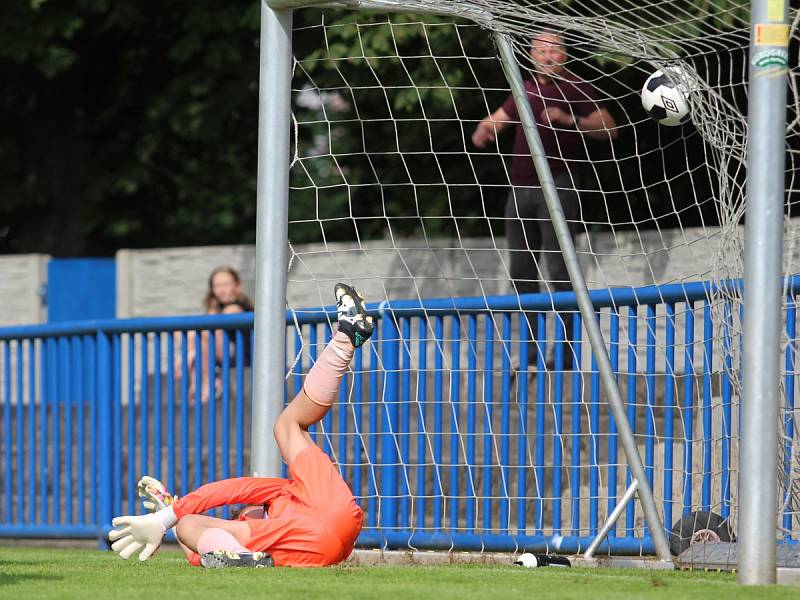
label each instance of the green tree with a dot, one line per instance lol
(406, 92)
(127, 124)
(131, 124)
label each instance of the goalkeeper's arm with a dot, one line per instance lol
(241, 490)
(145, 532)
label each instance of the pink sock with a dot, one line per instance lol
(322, 382)
(218, 539)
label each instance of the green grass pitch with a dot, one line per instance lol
(59, 573)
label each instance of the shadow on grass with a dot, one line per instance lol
(6, 579)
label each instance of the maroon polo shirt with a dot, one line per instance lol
(561, 144)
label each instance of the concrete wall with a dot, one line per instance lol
(22, 279)
(173, 281)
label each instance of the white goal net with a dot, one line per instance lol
(454, 423)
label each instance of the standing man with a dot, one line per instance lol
(565, 109)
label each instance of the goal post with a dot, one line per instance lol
(763, 291)
(272, 199)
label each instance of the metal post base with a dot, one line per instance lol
(612, 518)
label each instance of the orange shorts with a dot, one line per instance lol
(313, 519)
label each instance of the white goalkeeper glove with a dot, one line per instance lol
(154, 494)
(135, 533)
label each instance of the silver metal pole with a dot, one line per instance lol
(514, 77)
(279, 5)
(482, 17)
(272, 216)
(612, 518)
(766, 137)
(382, 5)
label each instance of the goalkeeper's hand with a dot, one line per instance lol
(135, 533)
(154, 494)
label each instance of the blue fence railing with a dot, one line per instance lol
(450, 429)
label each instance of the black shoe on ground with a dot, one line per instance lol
(353, 318)
(225, 559)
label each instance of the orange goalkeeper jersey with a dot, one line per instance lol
(313, 519)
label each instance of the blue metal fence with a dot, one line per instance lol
(444, 439)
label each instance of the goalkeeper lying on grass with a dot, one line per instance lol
(312, 519)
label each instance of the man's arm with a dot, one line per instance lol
(599, 124)
(487, 130)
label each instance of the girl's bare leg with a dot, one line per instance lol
(202, 364)
(192, 362)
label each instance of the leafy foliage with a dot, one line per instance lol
(402, 97)
(133, 124)
(128, 124)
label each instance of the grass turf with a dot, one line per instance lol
(59, 573)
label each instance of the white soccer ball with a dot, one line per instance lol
(664, 97)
